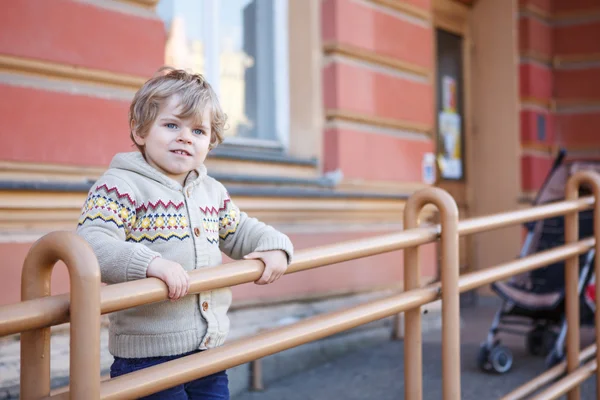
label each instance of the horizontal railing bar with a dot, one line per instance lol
(548, 376)
(504, 219)
(182, 370)
(569, 382)
(32, 314)
(474, 280)
(53, 310)
(500, 272)
(310, 329)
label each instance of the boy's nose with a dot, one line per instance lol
(185, 136)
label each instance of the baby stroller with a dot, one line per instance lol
(535, 300)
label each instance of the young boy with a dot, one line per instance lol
(155, 213)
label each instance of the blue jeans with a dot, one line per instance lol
(212, 387)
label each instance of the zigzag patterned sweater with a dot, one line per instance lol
(133, 214)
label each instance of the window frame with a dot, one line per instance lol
(279, 11)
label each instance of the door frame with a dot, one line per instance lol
(454, 17)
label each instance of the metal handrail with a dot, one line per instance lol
(576, 374)
(34, 316)
(570, 382)
(548, 376)
(150, 380)
(54, 310)
(84, 274)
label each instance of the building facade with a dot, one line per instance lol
(338, 111)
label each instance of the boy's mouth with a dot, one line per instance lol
(181, 152)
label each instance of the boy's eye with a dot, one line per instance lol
(198, 131)
(171, 126)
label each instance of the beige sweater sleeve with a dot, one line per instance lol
(106, 218)
(240, 234)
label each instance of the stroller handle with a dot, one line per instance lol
(562, 152)
(560, 157)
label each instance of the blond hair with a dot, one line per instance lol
(195, 94)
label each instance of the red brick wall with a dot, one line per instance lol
(72, 116)
(367, 89)
(560, 83)
(88, 118)
(69, 70)
(577, 75)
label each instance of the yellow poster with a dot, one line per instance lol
(449, 157)
(449, 148)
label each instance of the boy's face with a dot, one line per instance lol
(175, 146)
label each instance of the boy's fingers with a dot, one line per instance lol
(186, 285)
(276, 275)
(264, 279)
(182, 286)
(179, 286)
(175, 289)
(274, 278)
(178, 290)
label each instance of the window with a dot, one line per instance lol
(241, 46)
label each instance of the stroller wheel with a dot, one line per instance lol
(499, 359)
(540, 341)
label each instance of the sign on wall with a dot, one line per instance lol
(449, 155)
(428, 168)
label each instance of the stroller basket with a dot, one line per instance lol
(543, 289)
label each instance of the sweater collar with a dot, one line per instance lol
(135, 162)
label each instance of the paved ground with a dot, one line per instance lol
(377, 372)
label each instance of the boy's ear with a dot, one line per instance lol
(139, 140)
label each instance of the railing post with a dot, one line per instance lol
(572, 274)
(413, 363)
(84, 275)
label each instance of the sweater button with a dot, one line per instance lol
(205, 306)
(197, 232)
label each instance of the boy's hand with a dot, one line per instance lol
(171, 273)
(275, 265)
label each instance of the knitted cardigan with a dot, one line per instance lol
(133, 214)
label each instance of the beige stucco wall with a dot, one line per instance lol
(495, 142)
